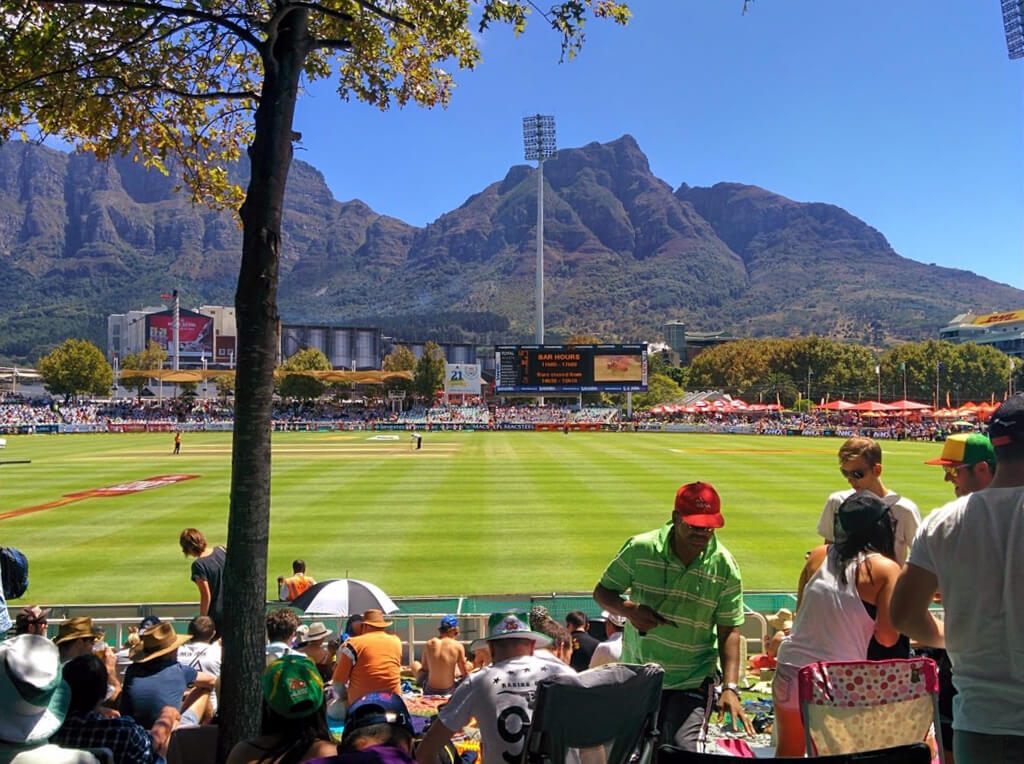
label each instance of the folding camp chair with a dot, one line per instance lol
(611, 710)
(915, 753)
(193, 745)
(850, 706)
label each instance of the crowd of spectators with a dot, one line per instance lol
(16, 412)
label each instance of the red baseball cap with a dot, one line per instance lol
(699, 505)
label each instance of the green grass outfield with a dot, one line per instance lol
(472, 513)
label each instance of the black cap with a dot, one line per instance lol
(1007, 423)
(860, 512)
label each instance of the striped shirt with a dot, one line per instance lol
(696, 597)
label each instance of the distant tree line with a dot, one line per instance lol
(759, 370)
(817, 368)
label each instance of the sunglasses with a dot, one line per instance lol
(852, 474)
(953, 469)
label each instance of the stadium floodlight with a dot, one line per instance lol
(1013, 24)
(538, 137)
(539, 144)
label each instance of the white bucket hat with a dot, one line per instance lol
(33, 696)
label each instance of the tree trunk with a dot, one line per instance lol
(245, 578)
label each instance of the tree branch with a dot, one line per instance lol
(340, 44)
(366, 5)
(127, 45)
(316, 8)
(124, 85)
(166, 10)
(157, 88)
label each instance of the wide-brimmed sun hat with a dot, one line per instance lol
(34, 698)
(79, 627)
(156, 641)
(375, 617)
(510, 625)
(781, 620)
(314, 632)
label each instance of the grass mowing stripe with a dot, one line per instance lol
(470, 513)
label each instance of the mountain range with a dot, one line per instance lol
(624, 253)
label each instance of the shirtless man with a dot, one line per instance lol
(442, 655)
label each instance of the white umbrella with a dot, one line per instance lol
(343, 596)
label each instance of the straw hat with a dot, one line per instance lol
(79, 627)
(156, 641)
(314, 632)
(782, 620)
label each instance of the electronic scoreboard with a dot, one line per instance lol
(570, 368)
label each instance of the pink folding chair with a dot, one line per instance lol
(851, 706)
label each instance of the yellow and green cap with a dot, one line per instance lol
(292, 686)
(966, 448)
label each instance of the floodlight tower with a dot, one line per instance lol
(539, 144)
(1013, 24)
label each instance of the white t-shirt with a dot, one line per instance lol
(975, 547)
(904, 512)
(609, 651)
(500, 698)
(277, 650)
(203, 656)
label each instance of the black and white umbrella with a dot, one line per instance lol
(343, 596)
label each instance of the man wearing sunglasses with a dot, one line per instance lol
(969, 462)
(685, 599)
(860, 463)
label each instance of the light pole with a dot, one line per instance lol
(810, 373)
(539, 144)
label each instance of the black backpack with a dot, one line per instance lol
(14, 572)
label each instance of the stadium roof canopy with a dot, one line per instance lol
(335, 375)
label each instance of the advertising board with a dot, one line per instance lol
(195, 334)
(462, 378)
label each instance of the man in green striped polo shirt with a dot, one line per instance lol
(684, 611)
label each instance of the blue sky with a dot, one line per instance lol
(908, 114)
